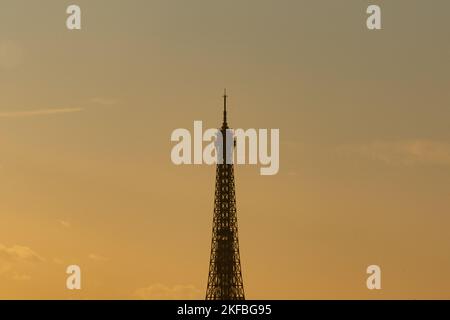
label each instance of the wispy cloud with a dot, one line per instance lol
(58, 261)
(40, 112)
(404, 152)
(16, 259)
(97, 257)
(56, 111)
(5, 268)
(19, 253)
(21, 277)
(162, 292)
(104, 101)
(64, 223)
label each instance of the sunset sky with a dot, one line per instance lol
(86, 176)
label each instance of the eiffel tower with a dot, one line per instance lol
(225, 276)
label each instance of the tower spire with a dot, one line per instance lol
(225, 125)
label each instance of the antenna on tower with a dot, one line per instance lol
(225, 125)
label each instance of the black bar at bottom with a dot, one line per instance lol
(267, 309)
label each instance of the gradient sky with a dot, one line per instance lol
(85, 123)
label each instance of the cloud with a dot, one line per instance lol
(15, 258)
(5, 267)
(40, 112)
(21, 277)
(18, 253)
(54, 111)
(404, 152)
(97, 257)
(104, 101)
(162, 292)
(64, 223)
(58, 261)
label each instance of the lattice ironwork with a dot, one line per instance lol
(225, 274)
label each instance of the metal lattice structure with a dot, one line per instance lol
(225, 275)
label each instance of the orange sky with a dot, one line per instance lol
(85, 124)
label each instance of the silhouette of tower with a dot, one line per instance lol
(225, 276)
